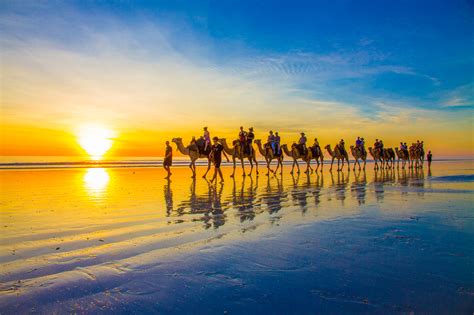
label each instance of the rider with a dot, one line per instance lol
(316, 145)
(207, 139)
(359, 144)
(302, 143)
(271, 140)
(192, 145)
(242, 137)
(363, 146)
(381, 148)
(250, 138)
(342, 149)
(277, 143)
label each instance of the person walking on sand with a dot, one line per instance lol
(168, 160)
(429, 157)
(216, 154)
(207, 139)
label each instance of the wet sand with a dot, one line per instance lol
(123, 240)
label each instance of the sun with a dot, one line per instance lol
(95, 140)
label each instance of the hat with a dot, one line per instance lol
(251, 128)
(302, 133)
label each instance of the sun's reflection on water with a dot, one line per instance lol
(96, 181)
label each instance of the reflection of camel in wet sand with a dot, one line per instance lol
(318, 186)
(244, 200)
(358, 155)
(269, 156)
(193, 155)
(273, 198)
(402, 155)
(207, 204)
(337, 154)
(296, 155)
(340, 187)
(377, 158)
(358, 187)
(236, 153)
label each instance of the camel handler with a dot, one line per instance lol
(429, 157)
(250, 138)
(168, 160)
(216, 155)
(302, 144)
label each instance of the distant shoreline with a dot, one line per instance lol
(179, 162)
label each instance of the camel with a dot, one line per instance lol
(416, 156)
(337, 154)
(318, 156)
(402, 155)
(193, 155)
(235, 152)
(376, 156)
(269, 156)
(357, 154)
(389, 157)
(296, 155)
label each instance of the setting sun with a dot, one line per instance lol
(95, 140)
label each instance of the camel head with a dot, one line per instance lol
(327, 147)
(221, 140)
(258, 141)
(177, 140)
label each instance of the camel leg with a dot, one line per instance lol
(256, 165)
(251, 167)
(208, 168)
(332, 164)
(268, 167)
(297, 166)
(243, 167)
(292, 167)
(233, 171)
(192, 166)
(322, 164)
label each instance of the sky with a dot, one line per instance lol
(148, 71)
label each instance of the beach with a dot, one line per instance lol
(126, 240)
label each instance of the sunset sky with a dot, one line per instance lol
(142, 72)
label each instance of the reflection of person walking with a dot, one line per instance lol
(216, 152)
(429, 157)
(168, 161)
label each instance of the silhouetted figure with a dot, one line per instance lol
(429, 157)
(168, 160)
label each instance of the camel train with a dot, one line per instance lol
(412, 158)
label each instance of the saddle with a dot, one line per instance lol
(302, 150)
(315, 150)
(201, 143)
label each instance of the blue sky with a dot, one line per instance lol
(374, 62)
